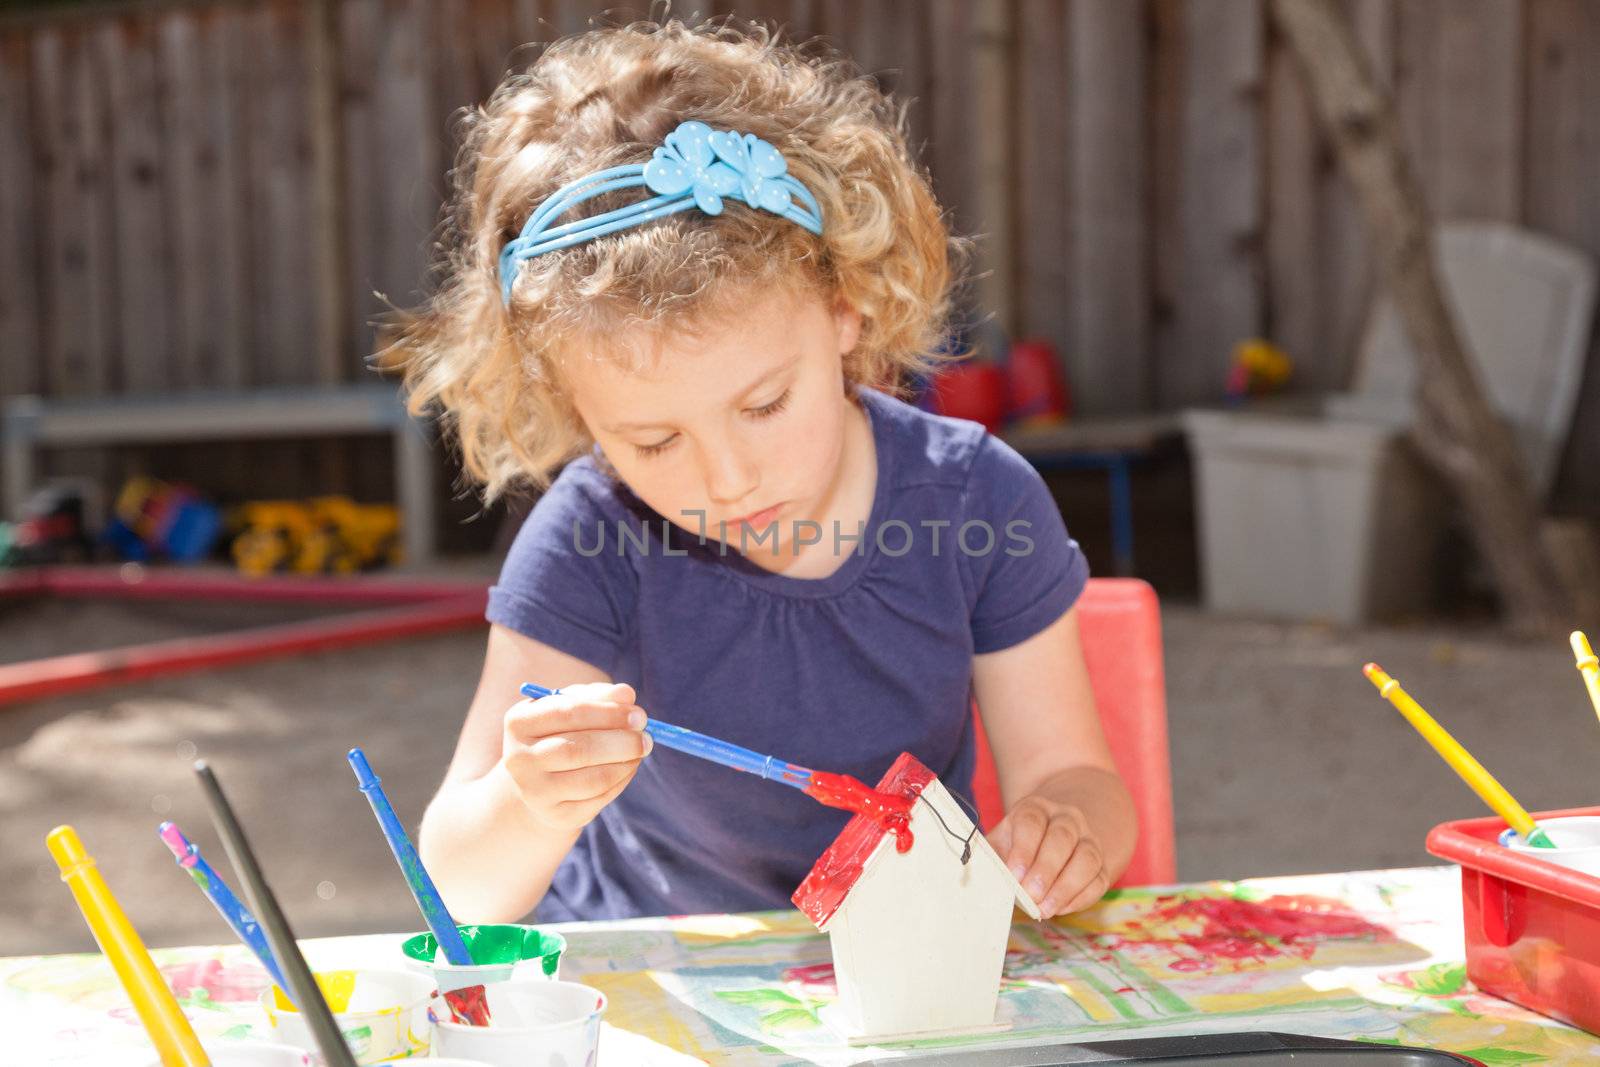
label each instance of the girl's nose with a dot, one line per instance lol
(730, 475)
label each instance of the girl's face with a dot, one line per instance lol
(741, 422)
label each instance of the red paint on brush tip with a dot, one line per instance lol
(469, 1005)
(842, 791)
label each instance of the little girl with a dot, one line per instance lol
(693, 265)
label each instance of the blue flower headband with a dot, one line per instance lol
(695, 166)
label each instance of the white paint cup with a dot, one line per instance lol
(1577, 841)
(385, 1018)
(536, 1024)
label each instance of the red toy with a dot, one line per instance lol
(971, 389)
(1036, 388)
(1029, 388)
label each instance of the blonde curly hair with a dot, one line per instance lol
(609, 97)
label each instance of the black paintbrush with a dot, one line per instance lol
(307, 996)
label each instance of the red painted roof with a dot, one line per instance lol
(837, 869)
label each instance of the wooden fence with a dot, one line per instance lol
(202, 195)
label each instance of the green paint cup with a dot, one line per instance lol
(499, 952)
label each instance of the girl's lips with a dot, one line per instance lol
(757, 518)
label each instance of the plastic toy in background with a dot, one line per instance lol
(965, 383)
(53, 528)
(325, 535)
(349, 537)
(153, 519)
(1259, 368)
(271, 533)
(971, 389)
(1036, 388)
(1025, 384)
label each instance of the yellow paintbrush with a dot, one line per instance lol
(1589, 666)
(1460, 760)
(158, 1009)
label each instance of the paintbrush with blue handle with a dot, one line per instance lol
(834, 790)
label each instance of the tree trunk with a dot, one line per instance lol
(1456, 430)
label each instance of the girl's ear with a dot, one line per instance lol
(847, 325)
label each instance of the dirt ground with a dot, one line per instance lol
(1284, 759)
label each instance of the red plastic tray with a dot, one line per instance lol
(1533, 929)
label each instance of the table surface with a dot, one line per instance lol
(1122, 433)
(1375, 955)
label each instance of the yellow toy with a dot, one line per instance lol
(347, 537)
(326, 535)
(272, 532)
(1258, 367)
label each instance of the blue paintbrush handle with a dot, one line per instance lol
(711, 748)
(428, 899)
(728, 754)
(233, 912)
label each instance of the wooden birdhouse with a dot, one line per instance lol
(919, 936)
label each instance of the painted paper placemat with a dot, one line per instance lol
(1375, 956)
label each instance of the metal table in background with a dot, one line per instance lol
(1111, 444)
(30, 423)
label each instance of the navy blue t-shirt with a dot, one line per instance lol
(965, 552)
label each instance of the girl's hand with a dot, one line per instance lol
(1052, 851)
(571, 754)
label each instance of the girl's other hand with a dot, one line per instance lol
(572, 753)
(1052, 851)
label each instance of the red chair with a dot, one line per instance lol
(1120, 620)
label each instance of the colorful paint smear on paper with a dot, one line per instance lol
(209, 983)
(1372, 956)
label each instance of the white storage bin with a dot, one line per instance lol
(1326, 512)
(1309, 518)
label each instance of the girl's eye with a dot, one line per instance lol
(771, 409)
(646, 451)
(764, 412)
